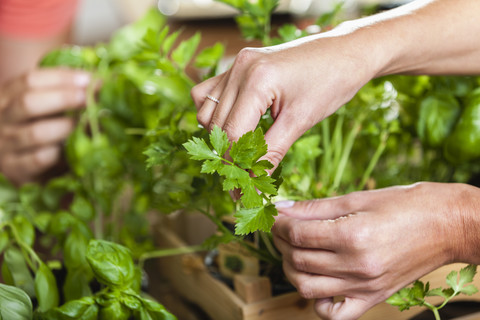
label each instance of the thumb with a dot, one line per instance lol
(318, 209)
(349, 309)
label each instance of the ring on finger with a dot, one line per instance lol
(212, 98)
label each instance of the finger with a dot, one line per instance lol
(200, 91)
(313, 261)
(210, 106)
(319, 234)
(314, 286)
(227, 99)
(33, 135)
(46, 102)
(252, 102)
(326, 208)
(24, 167)
(57, 77)
(279, 138)
(350, 308)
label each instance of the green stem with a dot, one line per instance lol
(260, 254)
(373, 161)
(250, 247)
(337, 141)
(92, 108)
(268, 244)
(346, 154)
(136, 131)
(30, 252)
(326, 166)
(168, 252)
(266, 30)
(215, 220)
(98, 222)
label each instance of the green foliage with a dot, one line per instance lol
(254, 19)
(126, 158)
(463, 145)
(257, 188)
(458, 283)
(113, 266)
(14, 303)
(111, 263)
(438, 114)
(46, 288)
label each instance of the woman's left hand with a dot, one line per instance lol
(367, 245)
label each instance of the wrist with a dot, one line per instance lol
(465, 210)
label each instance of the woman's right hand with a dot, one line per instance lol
(302, 82)
(32, 120)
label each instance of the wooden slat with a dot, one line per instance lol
(252, 288)
(196, 284)
(193, 282)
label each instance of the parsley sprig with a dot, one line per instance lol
(458, 282)
(242, 170)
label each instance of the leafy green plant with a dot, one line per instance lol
(136, 149)
(379, 121)
(458, 283)
(257, 189)
(143, 100)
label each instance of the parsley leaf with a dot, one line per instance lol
(199, 150)
(459, 282)
(241, 170)
(251, 220)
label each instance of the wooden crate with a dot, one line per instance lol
(189, 277)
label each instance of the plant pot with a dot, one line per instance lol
(249, 297)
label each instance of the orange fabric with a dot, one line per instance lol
(35, 18)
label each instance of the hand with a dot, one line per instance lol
(32, 124)
(301, 82)
(367, 245)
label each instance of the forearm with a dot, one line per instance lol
(423, 37)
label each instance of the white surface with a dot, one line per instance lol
(97, 19)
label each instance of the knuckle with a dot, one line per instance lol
(361, 239)
(305, 290)
(351, 201)
(203, 119)
(370, 267)
(298, 260)
(274, 156)
(245, 56)
(230, 127)
(295, 236)
(256, 66)
(197, 97)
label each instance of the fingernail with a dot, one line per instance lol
(284, 204)
(82, 79)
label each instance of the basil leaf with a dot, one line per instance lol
(111, 263)
(46, 289)
(14, 303)
(81, 309)
(17, 270)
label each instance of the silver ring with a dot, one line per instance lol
(209, 97)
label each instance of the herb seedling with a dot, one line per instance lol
(242, 170)
(458, 282)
